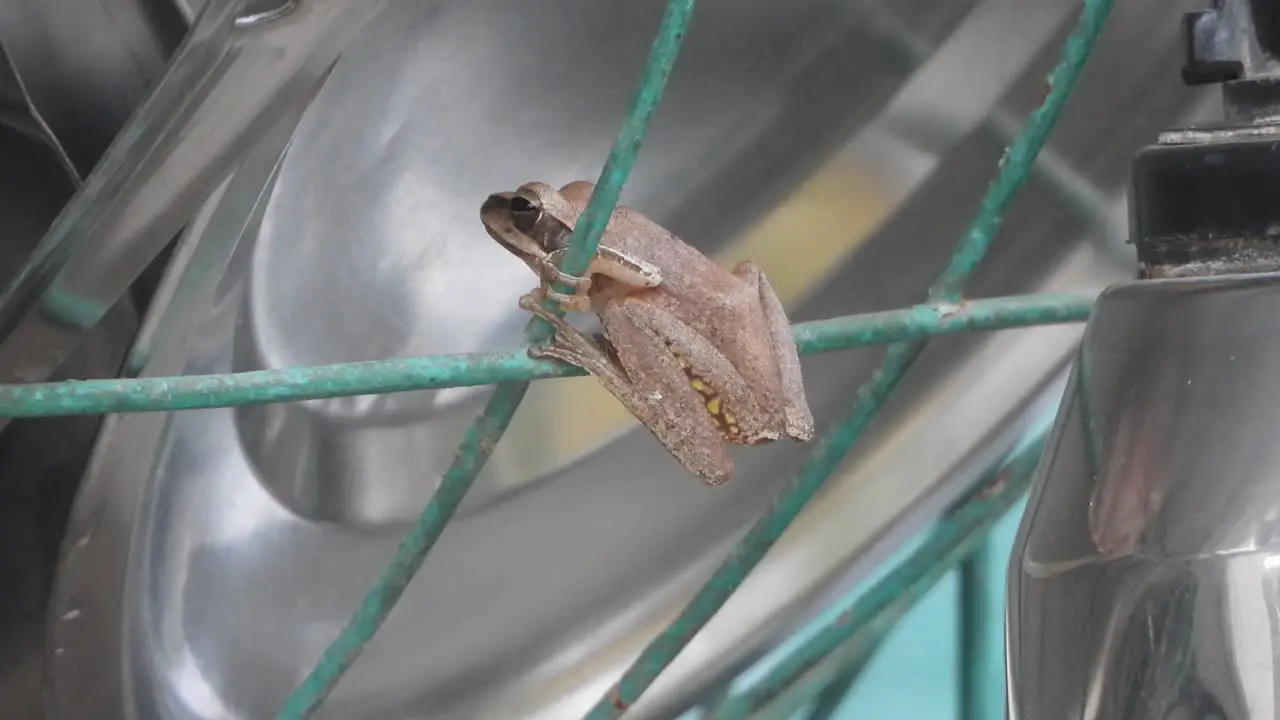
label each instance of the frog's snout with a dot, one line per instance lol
(495, 215)
(505, 216)
(496, 208)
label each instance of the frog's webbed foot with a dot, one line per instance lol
(572, 346)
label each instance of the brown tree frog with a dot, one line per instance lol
(700, 355)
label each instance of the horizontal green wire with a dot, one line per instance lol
(899, 357)
(443, 371)
(485, 432)
(888, 600)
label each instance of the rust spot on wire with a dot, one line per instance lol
(996, 485)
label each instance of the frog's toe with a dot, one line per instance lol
(719, 477)
(800, 426)
(714, 468)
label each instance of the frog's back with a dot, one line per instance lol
(686, 272)
(717, 304)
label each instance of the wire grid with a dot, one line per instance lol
(823, 667)
(831, 659)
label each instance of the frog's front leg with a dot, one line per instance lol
(650, 383)
(727, 395)
(799, 419)
(631, 272)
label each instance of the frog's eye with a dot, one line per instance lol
(525, 213)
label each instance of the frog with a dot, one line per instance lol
(701, 355)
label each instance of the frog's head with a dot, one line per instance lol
(532, 222)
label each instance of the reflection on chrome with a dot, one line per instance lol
(1144, 581)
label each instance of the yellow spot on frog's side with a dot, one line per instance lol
(715, 406)
(728, 425)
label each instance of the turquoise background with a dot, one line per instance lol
(915, 674)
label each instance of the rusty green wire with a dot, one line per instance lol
(828, 700)
(192, 392)
(831, 449)
(847, 642)
(981, 656)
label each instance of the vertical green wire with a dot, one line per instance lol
(1015, 165)
(591, 223)
(979, 654)
(477, 445)
(828, 453)
(484, 433)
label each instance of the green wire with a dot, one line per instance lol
(1018, 159)
(441, 371)
(477, 445)
(485, 432)
(850, 639)
(1014, 168)
(980, 655)
(890, 598)
(827, 702)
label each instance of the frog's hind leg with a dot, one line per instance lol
(798, 416)
(726, 395)
(678, 415)
(662, 400)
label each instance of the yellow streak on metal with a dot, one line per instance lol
(797, 245)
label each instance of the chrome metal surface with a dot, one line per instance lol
(213, 554)
(41, 461)
(79, 86)
(72, 90)
(225, 85)
(63, 95)
(257, 12)
(1145, 580)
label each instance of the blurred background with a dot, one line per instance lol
(201, 560)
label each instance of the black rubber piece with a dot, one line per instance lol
(1205, 202)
